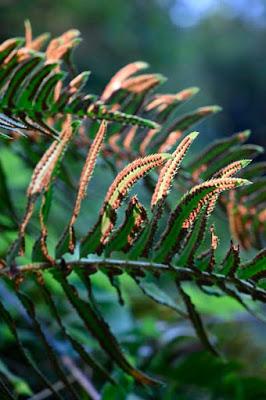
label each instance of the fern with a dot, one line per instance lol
(34, 98)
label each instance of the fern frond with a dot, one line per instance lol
(35, 98)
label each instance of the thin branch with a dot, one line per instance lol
(81, 378)
(46, 393)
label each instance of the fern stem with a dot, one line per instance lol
(180, 274)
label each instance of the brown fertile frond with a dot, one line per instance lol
(8, 45)
(120, 187)
(209, 200)
(231, 169)
(237, 215)
(171, 140)
(220, 185)
(28, 33)
(78, 82)
(129, 138)
(142, 83)
(183, 217)
(33, 92)
(216, 149)
(162, 101)
(60, 46)
(138, 222)
(170, 169)
(37, 43)
(130, 174)
(179, 126)
(120, 77)
(86, 175)
(113, 143)
(226, 172)
(147, 140)
(42, 174)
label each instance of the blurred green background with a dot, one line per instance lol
(217, 45)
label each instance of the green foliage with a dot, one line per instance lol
(167, 244)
